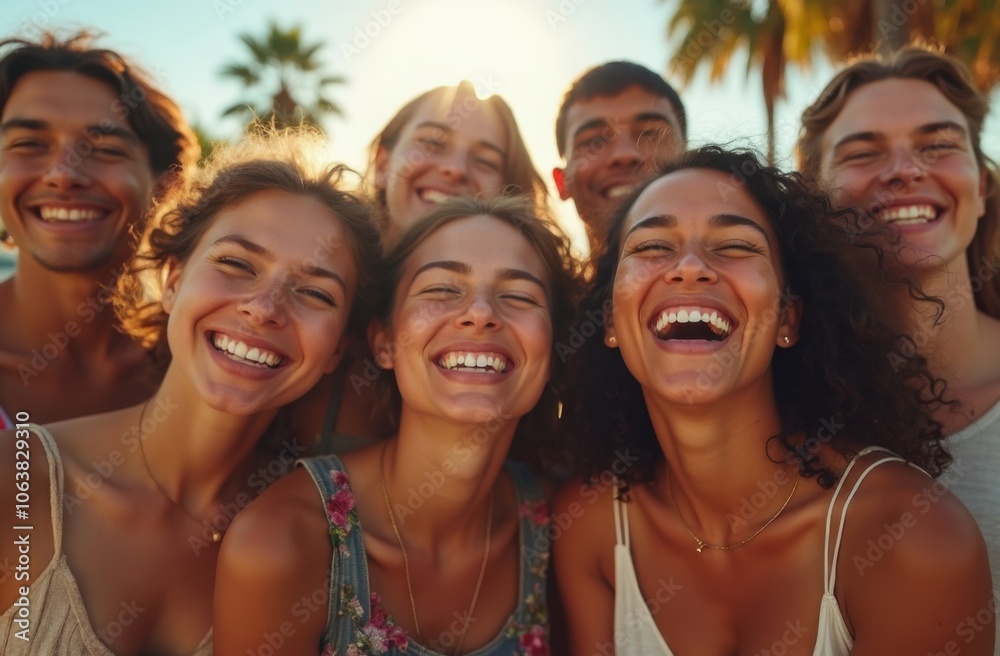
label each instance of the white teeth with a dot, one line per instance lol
(719, 325)
(244, 352)
(435, 196)
(620, 192)
(69, 215)
(908, 214)
(493, 363)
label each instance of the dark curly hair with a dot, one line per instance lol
(952, 79)
(566, 286)
(839, 384)
(289, 161)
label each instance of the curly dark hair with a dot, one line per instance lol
(566, 287)
(288, 160)
(844, 383)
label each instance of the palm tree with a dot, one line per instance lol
(776, 33)
(716, 30)
(290, 70)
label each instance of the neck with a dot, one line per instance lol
(717, 456)
(953, 344)
(200, 456)
(73, 304)
(440, 477)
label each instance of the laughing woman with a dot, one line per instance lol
(427, 542)
(744, 369)
(258, 272)
(445, 143)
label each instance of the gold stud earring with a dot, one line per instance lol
(787, 341)
(612, 340)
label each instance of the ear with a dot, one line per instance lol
(559, 175)
(381, 343)
(610, 338)
(171, 284)
(382, 157)
(788, 323)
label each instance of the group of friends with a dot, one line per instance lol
(264, 405)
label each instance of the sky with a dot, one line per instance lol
(389, 51)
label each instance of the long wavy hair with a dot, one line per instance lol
(850, 381)
(520, 176)
(290, 161)
(953, 81)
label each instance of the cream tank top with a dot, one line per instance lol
(636, 634)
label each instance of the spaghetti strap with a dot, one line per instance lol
(56, 484)
(830, 567)
(621, 518)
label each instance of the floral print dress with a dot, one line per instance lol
(358, 626)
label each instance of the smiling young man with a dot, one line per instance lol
(616, 123)
(86, 144)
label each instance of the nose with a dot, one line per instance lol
(264, 306)
(453, 165)
(480, 314)
(66, 171)
(691, 267)
(625, 151)
(904, 167)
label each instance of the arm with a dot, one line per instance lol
(916, 577)
(272, 581)
(583, 549)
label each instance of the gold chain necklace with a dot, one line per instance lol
(215, 534)
(702, 545)
(406, 562)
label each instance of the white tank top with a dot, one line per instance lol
(636, 634)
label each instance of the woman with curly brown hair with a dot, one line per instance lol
(245, 286)
(742, 353)
(899, 139)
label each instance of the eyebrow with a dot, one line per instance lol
(504, 273)
(257, 249)
(714, 221)
(448, 129)
(38, 125)
(644, 117)
(929, 128)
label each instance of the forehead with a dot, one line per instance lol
(896, 106)
(290, 225)
(627, 105)
(57, 94)
(484, 243)
(464, 115)
(692, 195)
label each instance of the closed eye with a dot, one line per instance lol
(741, 246)
(234, 263)
(653, 247)
(321, 296)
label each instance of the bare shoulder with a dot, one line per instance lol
(281, 527)
(910, 544)
(273, 572)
